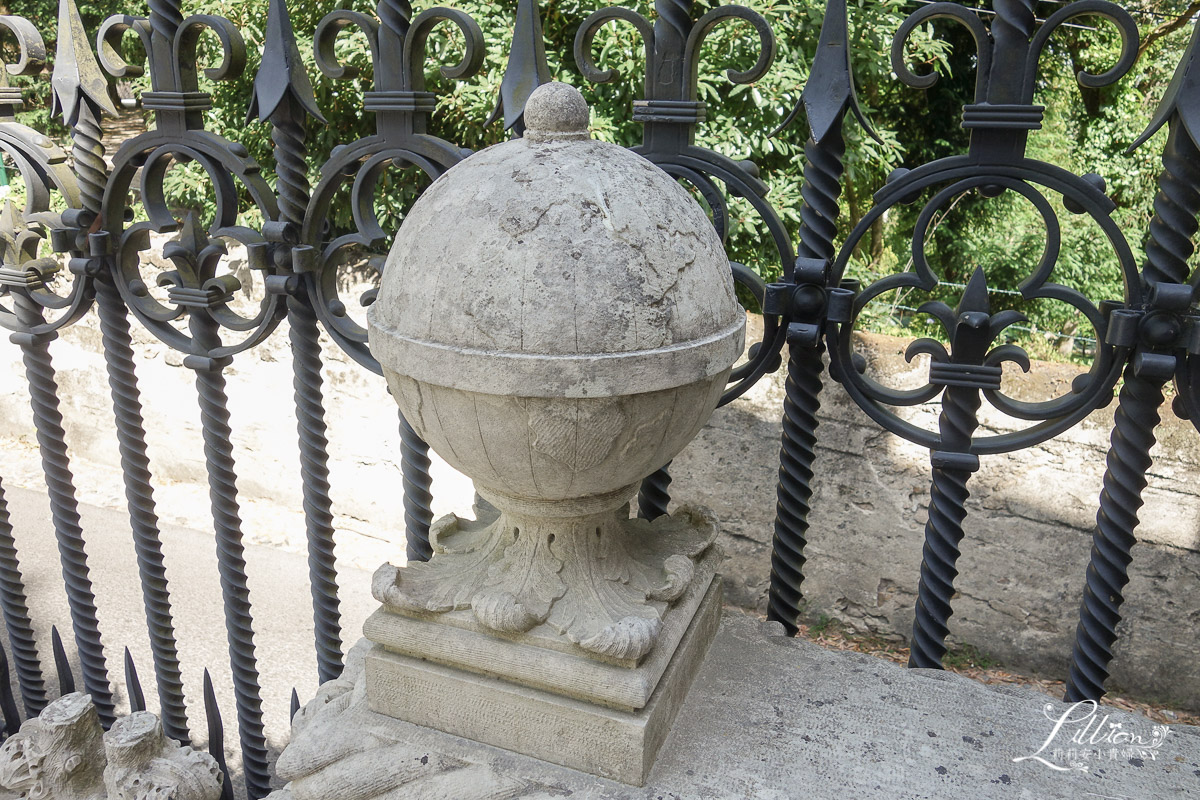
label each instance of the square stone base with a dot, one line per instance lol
(542, 659)
(614, 744)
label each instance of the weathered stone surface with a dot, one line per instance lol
(602, 583)
(615, 744)
(773, 718)
(557, 320)
(64, 754)
(457, 639)
(555, 266)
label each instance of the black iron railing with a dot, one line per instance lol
(1149, 335)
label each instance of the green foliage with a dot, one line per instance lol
(1084, 131)
(968, 657)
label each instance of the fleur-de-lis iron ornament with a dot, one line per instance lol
(999, 119)
(170, 42)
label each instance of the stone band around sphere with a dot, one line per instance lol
(572, 375)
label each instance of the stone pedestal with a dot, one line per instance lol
(557, 320)
(615, 743)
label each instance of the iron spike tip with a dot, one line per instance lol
(133, 684)
(1182, 96)
(527, 67)
(281, 72)
(66, 680)
(829, 91)
(10, 220)
(975, 296)
(77, 77)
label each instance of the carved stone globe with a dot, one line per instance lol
(557, 320)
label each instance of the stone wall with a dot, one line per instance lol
(1028, 530)
(1024, 556)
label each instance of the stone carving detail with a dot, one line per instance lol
(557, 320)
(340, 749)
(64, 754)
(603, 581)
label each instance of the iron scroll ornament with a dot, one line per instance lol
(670, 114)
(402, 107)
(30, 279)
(999, 121)
(194, 287)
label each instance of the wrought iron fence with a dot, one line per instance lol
(1148, 337)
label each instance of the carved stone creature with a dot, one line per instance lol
(64, 754)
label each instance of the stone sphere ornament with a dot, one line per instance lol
(557, 319)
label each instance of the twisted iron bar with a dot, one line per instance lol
(117, 345)
(823, 167)
(17, 621)
(1176, 207)
(64, 509)
(87, 151)
(418, 500)
(677, 15)
(1014, 23)
(1113, 539)
(653, 496)
(288, 124)
(314, 468)
(231, 559)
(291, 166)
(147, 543)
(802, 389)
(165, 18)
(943, 532)
(8, 703)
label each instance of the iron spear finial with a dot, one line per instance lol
(829, 91)
(281, 71)
(1182, 96)
(77, 75)
(527, 68)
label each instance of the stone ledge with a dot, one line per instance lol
(768, 717)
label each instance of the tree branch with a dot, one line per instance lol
(1169, 27)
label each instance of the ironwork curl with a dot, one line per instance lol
(402, 107)
(1052, 416)
(195, 286)
(31, 276)
(670, 114)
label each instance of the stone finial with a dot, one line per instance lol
(556, 112)
(64, 754)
